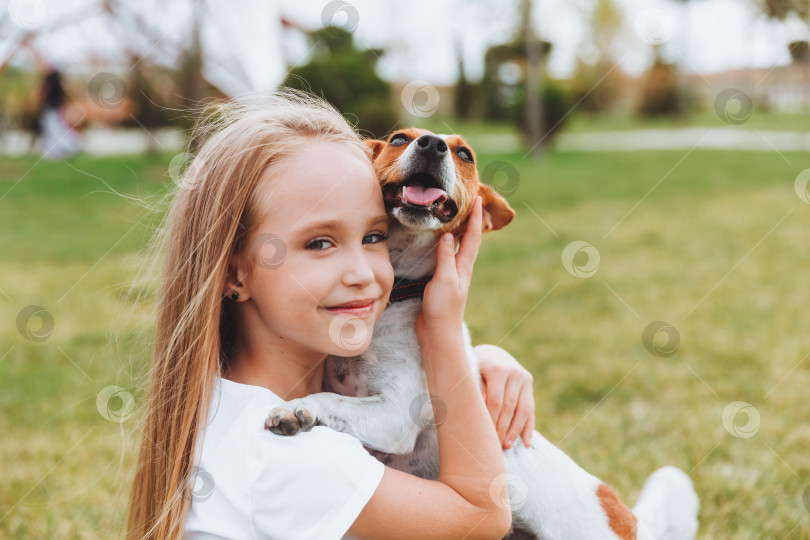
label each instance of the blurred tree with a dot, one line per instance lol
(660, 96)
(596, 86)
(683, 92)
(799, 51)
(781, 9)
(192, 82)
(504, 91)
(606, 23)
(465, 92)
(533, 108)
(347, 78)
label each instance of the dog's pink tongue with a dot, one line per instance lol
(423, 196)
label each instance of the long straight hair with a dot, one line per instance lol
(213, 213)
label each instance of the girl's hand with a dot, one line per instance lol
(507, 389)
(446, 293)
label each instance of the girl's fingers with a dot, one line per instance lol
(518, 426)
(511, 394)
(471, 240)
(445, 258)
(528, 431)
(523, 422)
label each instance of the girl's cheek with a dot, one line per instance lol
(385, 270)
(309, 276)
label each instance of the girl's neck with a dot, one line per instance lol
(288, 374)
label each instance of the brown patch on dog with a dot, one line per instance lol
(620, 519)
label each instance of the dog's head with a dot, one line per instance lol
(430, 181)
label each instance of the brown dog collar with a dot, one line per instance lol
(408, 288)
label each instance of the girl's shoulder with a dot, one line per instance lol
(259, 482)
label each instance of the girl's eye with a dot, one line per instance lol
(319, 241)
(464, 154)
(321, 244)
(381, 238)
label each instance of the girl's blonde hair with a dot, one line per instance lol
(214, 212)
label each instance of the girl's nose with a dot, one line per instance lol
(358, 269)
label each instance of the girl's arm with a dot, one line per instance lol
(469, 499)
(507, 389)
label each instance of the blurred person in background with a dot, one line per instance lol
(59, 138)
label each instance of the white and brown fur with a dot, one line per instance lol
(380, 396)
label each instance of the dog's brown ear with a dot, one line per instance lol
(497, 212)
(376, 147)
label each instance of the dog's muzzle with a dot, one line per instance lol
(421, 192)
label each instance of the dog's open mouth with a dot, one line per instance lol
(421, 193)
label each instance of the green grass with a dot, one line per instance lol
(717, 249)
(623, 120)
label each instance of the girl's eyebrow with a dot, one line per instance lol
(336, 223)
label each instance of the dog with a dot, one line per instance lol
(429, 183)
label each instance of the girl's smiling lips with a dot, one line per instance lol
(358, 308)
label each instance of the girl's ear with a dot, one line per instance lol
(376, 147)
(234, 280)
(497, 213)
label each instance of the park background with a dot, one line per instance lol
(654, 280)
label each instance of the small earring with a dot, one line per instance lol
(235, 296)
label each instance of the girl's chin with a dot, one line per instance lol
(351, 335)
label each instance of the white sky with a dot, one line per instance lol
(420, 35)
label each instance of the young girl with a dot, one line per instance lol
(279, 222)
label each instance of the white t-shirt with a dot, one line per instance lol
(252, 483)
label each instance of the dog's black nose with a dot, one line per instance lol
(431, 146)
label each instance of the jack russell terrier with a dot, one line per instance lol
(429, 183)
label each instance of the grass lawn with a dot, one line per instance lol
(713, 243)
(578, 122)
(759, 119)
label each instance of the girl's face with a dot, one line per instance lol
(321, 245)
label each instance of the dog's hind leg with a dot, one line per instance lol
(553, 498)
(668, 505)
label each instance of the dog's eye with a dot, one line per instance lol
(465, 154)
(399, 139)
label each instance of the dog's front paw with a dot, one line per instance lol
(289, 420)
